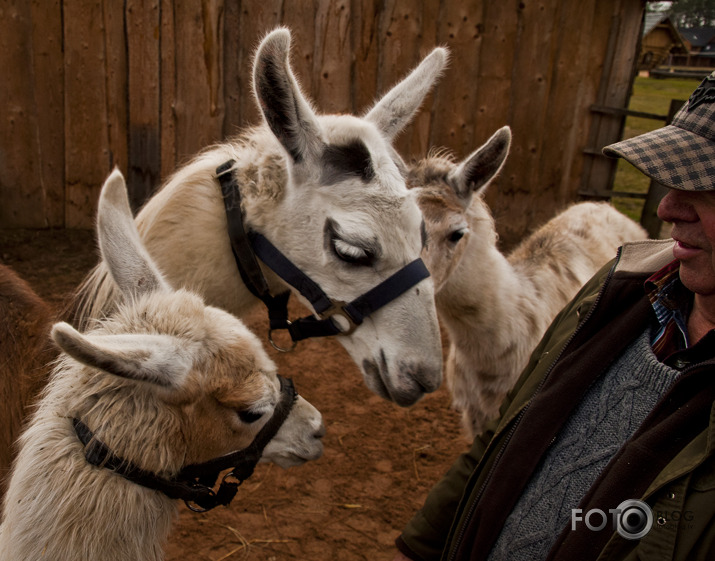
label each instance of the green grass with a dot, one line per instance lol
(650, 95)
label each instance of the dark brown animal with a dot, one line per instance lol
(25, 351)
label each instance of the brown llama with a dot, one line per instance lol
(25, 349)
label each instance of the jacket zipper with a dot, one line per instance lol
(463, 528)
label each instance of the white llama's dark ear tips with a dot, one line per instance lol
(476, 172)
(284, 108)
(121, 247)
(398, 106)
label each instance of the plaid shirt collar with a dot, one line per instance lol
(671, 303)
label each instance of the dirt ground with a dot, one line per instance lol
(379, 463)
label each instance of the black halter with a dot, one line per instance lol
(248, 245)
(194, 483)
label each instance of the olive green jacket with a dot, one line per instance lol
(608, 313)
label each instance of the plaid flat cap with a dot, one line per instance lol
(680, 155)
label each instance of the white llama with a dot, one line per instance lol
(495, 308)
(329, 193)
(164, 382)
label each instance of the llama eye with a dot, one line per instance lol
(350, 253)
(248, 416)
(457, 235)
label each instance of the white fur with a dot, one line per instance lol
(161, 382)
(279, 170)
(495, 308)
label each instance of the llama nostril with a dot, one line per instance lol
(320, 433)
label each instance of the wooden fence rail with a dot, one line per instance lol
(144, 84)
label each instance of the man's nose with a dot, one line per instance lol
(675, 207)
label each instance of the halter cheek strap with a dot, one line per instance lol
(194, 483)
(326, 308)
(247, 246)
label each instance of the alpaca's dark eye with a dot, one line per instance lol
(457, 235)
(248, 416)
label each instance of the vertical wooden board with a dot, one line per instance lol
(87, 154)
(47, 99)
(167, 95)
(304, 27)
(231, 80)
(495, 71)
(115, 34)
(597, 35)
(332, 59)
(530, 86)
(617, 62)
(563, 139)
(493, 100)
(31, 167)
(415, 140)
(20, 200)
(417, 143)
(400, 29)
(625, 55)
(459, 28)
(199, 93)
(535, 201)
(367, 44)
(144, 134)
(258, 17)
(212, 16)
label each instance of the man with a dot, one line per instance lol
(605, 447)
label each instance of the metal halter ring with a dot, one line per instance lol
(195, 507)
(338, 308)
(276, 346)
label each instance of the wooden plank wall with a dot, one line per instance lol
(144, 84)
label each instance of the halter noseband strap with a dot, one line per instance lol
(247, 245)
(194, 483)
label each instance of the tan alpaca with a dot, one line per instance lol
(495, 308)
(165, 382)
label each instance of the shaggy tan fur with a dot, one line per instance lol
(161, 382)
(495, 308)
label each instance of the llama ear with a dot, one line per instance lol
(397, 107)
(474, 173)
(286, 111)
(157, 359)
(122, 249)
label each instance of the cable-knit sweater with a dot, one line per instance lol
(609, 413)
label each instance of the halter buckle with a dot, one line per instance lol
(339, 308)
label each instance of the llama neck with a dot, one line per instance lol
(492, 323)
(184, 225)
(60, 507)
(484, 310)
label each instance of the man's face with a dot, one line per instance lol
(692, 214)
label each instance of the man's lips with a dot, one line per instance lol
(683, 250)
